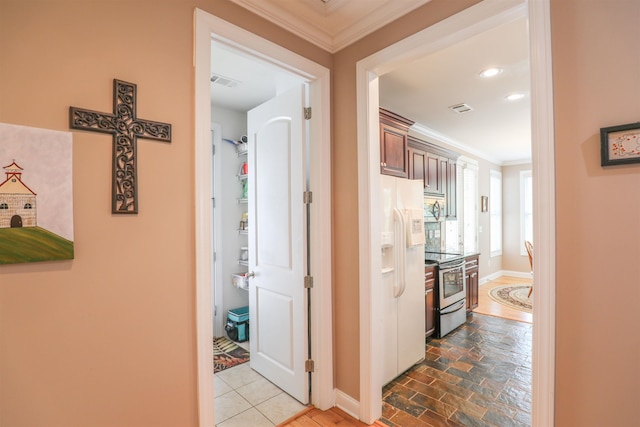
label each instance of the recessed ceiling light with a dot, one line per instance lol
(490, 72)
(514, 96)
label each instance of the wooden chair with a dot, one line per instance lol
(529, 246)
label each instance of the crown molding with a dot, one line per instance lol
(318, 24)
(436, 136)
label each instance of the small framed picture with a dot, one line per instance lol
(620, 145)
(484, 203)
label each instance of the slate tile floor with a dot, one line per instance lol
(478, 375)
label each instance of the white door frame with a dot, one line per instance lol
(480, 17)
(207, 28)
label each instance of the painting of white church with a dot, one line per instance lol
(36, 195)
(17, 200)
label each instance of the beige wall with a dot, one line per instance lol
(488, 264)
(595, 75)
(108, 339)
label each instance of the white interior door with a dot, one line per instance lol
(277, 246)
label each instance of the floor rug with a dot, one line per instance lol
(226, 354)
(513, 296)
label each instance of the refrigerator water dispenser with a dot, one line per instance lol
(388, 260)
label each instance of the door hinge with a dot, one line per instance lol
(309, 365)
(307, 197)
(307, 113)
(213, 150)
(213, 200)
(308, 282)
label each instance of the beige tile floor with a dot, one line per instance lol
(245, 398)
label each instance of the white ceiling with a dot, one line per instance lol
(255, 81)
(496, 130)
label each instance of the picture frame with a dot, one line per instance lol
(484, 203)
(620, 145)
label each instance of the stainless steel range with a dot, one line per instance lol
(452, 291)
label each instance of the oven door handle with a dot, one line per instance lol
(455, 307)
(445, 267)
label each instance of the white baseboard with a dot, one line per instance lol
(498, 274)
(347, 403)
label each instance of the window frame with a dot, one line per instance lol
(524, 176)
(464, 164)
(495, 211)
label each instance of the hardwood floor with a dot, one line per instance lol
(313, 417)
(488, 306)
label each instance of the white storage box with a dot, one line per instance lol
(240, 280)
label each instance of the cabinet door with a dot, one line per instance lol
(393, 152)
(417, 164)
(452, 190)
(429, 300)
(433, 177)
(444, 175)
(467, 282)
(471, 281)
(430, 316)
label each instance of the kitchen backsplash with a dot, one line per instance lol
(432, 236)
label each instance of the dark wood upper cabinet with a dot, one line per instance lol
(394, 154)
(452, 189)
(406, 156)
(417, 164)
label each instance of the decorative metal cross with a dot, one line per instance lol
(126, 128)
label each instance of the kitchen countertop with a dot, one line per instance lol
(433, 259)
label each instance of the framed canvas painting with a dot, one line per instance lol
(36, 195)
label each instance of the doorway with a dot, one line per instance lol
(209, 28)
(16, 221)
(481, 16)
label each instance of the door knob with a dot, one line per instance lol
(250, 275)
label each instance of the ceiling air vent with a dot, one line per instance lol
(224, 81)
(461, 108)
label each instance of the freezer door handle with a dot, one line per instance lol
(401, 248)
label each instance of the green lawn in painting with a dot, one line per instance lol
(32, 244)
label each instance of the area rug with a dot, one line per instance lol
(513, 296)
(226, 354)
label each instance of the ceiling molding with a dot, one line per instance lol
(436, 136)
(331, 25)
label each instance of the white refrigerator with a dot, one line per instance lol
(402, 274)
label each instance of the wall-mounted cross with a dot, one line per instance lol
(126, 128)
